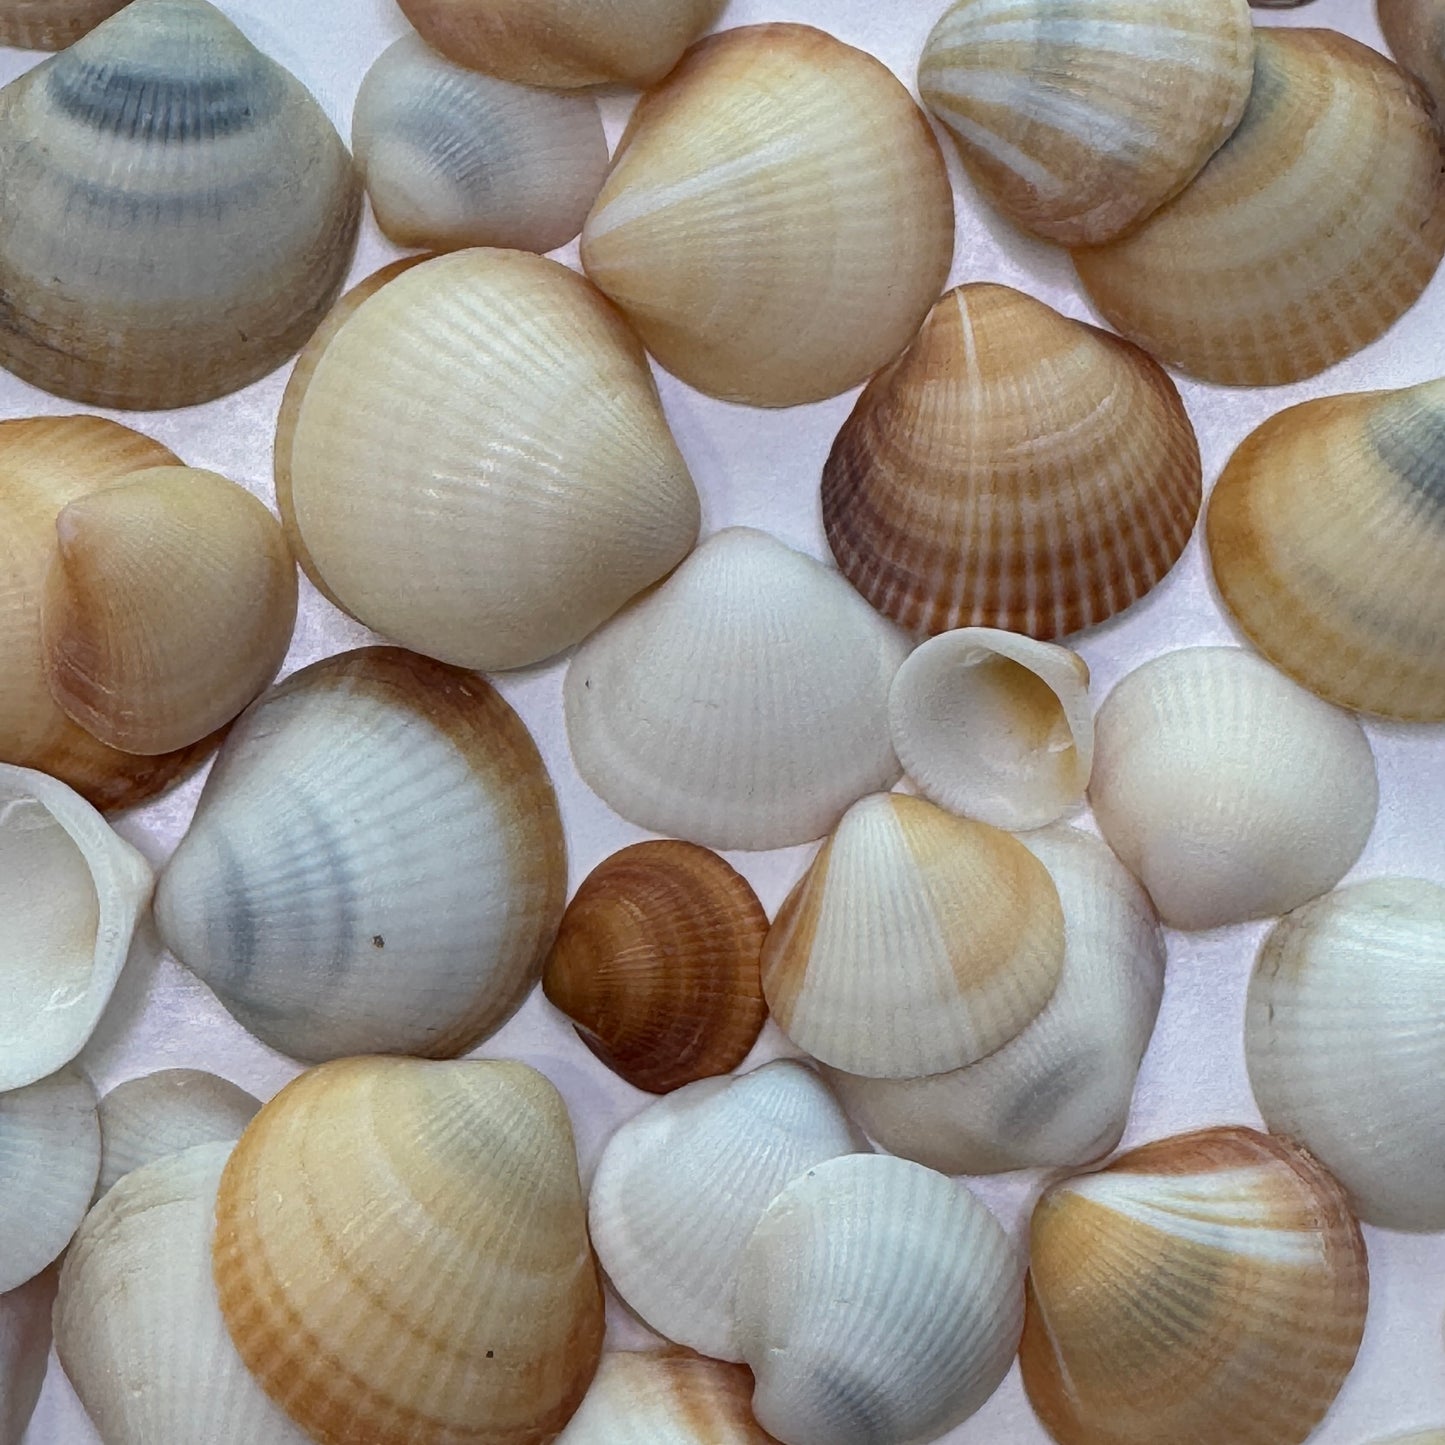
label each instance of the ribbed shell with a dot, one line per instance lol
(1013, 469)
(1415, 33)
(1313, 229)
(25, 1353)
(51, 24)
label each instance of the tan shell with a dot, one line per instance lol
(1415, 33)
(51, 24)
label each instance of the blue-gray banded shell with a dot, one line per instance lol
(51, 24)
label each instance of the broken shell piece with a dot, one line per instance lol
(51, 24)
(25, 1353)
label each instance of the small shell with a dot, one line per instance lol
(1013, 469)
(1315, 227)
(1415, 32)
(916, 942)
(1211, 1287)
(778, 219)
(703, 711)
(452, 158)
(71, 897)
(459, 1302)
(1078, 121)
(51, 25)
(1229, 792)
(376, 864)
(25, 1355)
(878, 1303)
(656, 964)
(680, 1187)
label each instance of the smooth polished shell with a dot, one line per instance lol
(25, 1354)
(778, 218)
(1415, 32)
(1315, 227)
(1013, 469)
(51, 25)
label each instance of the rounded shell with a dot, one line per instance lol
(1413, 31)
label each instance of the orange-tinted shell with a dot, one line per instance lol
(51, 24)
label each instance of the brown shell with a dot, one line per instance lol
(1415, 32)
(51, 24)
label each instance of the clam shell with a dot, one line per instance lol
(1058, 1095)
(917, 942)
(485, 417)
(704, 710)
(878, 1303)
(167, 193)
(1413, 31)
(1211, 1286)
(1345, 1041)
(820, 174)
(401, 1255)
(376, 864)
(1013, 469)
(25, 1354)
(1229, 792)
(681, 1185)
(656, 964)
(51, 25)
(1078, 120)
(1313, 229)
(1326, 533)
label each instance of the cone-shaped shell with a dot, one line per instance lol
(51, 24)
(743, 704)
(1415, 33)
(778, 219)
(1079, 120)
(1211, 1286)
(484, 417)
(25, 1354)
(176, 212)
(1326, 533)
(1013, 469)
(656, 964)
(401, 1255)
(917, 942)
(1313, 229)
(376, 864)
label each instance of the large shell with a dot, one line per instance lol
(1013, 469)
(916, 942)
(176, 212)
(376, 864)
(1326, 533)
(1078, 120)
(401, 1255)
(1314, 228)
(25, 1354)
(1229, 792)
(51, 24)
(485, 417)
(744, 704)
(1210, 1287)
(1415, 33)
(656, 964)
(778, 219)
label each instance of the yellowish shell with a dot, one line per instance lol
(51, 24)
(1415, 33)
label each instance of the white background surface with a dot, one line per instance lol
(762, 469)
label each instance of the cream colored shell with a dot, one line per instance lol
(1415, 33)
(25, 1353)
(51, 24)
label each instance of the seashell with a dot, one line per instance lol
(878, 1303)
(704, 709)
(376, 864)
(1325, 533)
(160, 1114)
(995, 725)
(1058, 1095)
(681, 1185)
(563, 43)
(916, 942)
(51, 25)
(1345, 1040)
(487, 418)
(656, 964)
(122, 249)
(1078, 121)
(1424, 1437)
(136, 1323)
(821, 175)
(1415, 32)
(25, 1355)
(1313, 229)
(1229, 792)
(1211, 1286)
(49, 1159)
(1013, 469)
(72, 892)
(121, 657)
(407, 1176)
(452, 158)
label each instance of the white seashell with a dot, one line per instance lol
(878, 1303)
(1058, 1095)
(1227, 790)
(995, 725)
(680, 1187)
(71, 894)
(1345, 1040)
(743, 704)
(25, 1352)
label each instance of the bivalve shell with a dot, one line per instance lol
(1415, 33)
(51, 24)
(25, 1353)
